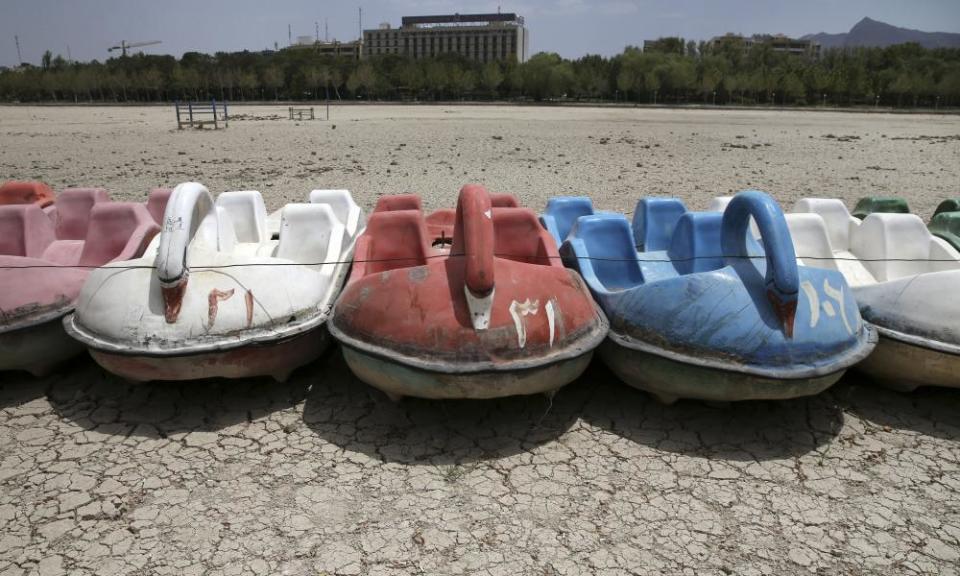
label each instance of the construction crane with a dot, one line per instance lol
(124, 46)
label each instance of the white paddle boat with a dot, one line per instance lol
(215, 295)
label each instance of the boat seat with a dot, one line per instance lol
(518, 236)
(440, 224)
(25, 230)
(835, 215)
(398, 202)
(118, 231)
(719, 203)
(562, 213)
(500, 200)
(247, 213)
(654, 220)
(695, 245)
(811, 239)
(343, 206)
(14, 192)
(72, 211)
(608, 240)
(310, 233)
(892, 245)
(157, 203)
(394, 239)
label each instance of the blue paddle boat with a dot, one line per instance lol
(699, 309)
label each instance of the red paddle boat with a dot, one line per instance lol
(471, 303)
(46, 255)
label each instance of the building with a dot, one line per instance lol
(777, 42)
(480, 37)
(351, 49)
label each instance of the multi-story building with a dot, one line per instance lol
(480, 37)
(777, 42)
(350, 49)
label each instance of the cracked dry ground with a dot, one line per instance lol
(324, 475)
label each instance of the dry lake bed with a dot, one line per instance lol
(324, 475)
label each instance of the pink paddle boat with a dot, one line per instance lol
(46, 255)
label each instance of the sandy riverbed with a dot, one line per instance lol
(323, 475)
(614, 155)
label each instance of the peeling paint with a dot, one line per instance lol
(517, 311)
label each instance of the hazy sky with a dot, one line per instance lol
(569, 27)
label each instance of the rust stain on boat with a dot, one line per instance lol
(213, 299)
(249, 299)
(172, 300)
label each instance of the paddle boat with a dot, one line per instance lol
(47, 251)
(703, 311)
(946, 222)
(26, 192)
(905, 281)
(216, 296)
(492, 312)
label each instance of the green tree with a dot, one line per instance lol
(491, 77)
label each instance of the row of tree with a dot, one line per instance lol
(903, 75)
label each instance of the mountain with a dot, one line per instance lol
(868, 32)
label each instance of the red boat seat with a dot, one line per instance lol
(504, 201)
(398, 202)
(440, 224)
(14, 192)
(25, 230)
(72, 212)
(157, 203)
(517, 235)
(117, 231)
(394, 239)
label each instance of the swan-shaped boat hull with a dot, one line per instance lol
(216, 295)
(495, 315)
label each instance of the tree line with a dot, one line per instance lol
(676, 73)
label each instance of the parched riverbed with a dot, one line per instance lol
(324, 475)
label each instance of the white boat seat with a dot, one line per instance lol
(310, 234)
(893, 245)
(838, 220)
(248, 214)
(343, 206)
(811, 239)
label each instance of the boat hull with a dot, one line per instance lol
(275, 359)
(904, 366)
(398, 380)
(670, 380)
(37, 349)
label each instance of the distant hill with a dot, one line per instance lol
(872, 33)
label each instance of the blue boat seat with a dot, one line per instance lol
(609, 241)
(562, 213)
(695, 245)
(654, 220)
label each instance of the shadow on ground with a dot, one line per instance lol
(92, 398)
(932, 411)
(343, 410)
(740, 431)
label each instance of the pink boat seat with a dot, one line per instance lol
(398, 202)
(394, 239)
(518, 236)
(15, 192)
(118, 231)
(25, 230)
(72, 212)
(500, 200)
(157, 203)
